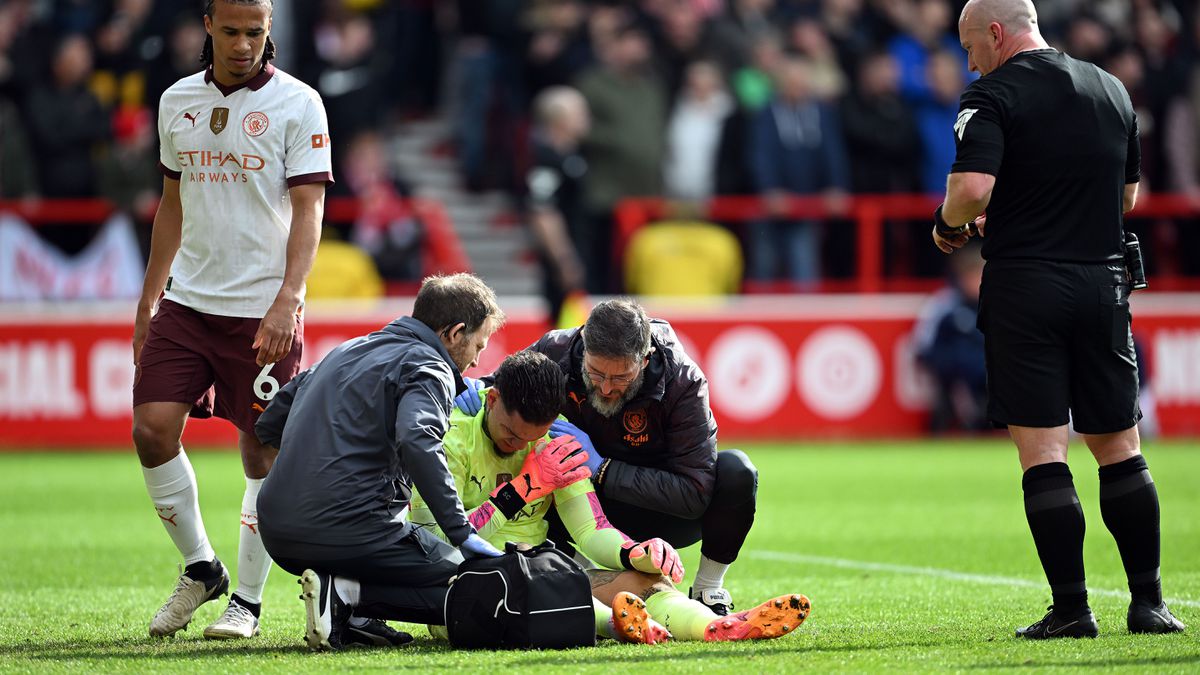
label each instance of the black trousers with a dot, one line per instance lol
(405, 581)
(722, 528)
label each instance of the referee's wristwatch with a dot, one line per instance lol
(943, 228)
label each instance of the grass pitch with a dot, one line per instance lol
(916, 557)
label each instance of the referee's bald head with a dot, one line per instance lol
(994, 31)
(1017, 16)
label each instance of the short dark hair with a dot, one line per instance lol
(447, 300)
(206, 54)
(531, 385)
(617, 329)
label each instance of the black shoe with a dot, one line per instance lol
(1054, 625)
(374, 633)
(716, 599)
(1144, 617)
(326, 616)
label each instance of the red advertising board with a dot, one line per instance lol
(779, 368)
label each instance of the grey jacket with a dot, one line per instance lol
(663, 444)
(354, 433)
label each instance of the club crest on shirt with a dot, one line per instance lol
(218, 120)
(635, 421)
(502, 478)
(255, 124)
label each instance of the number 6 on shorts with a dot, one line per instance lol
(265, 386)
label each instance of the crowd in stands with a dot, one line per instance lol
(681, 98)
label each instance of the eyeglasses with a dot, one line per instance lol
(614, 380)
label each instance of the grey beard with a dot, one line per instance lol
(609, 408)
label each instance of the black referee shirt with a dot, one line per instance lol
(1061, 138)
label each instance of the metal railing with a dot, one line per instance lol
(870, 215)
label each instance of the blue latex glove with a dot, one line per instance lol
(565, 428)
(477, 547)
(469, 401)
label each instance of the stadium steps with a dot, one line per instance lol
(499, 252)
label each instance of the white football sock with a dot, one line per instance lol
(172, 489)
(710, 575)
(253, 562)
(347, 590)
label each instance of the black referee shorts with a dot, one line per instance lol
(1058, 342)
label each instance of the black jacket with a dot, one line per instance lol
(663, 444)
(354, 433)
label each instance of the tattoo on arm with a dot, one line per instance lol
(602, 577)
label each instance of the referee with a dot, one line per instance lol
(1048, 146)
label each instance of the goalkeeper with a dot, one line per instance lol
(509, 474)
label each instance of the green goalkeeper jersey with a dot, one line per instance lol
(478, 469)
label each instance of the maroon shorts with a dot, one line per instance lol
(206, 360)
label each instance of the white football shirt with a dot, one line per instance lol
(235, 152)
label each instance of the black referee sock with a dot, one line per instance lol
(1056, 521)
(1129, 505)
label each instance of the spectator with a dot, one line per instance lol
(624, 150)
(808, 39)
(881, 131)
(950, 347)
(554, 192)
(16, 179)
(118, 61)
(935, 119)
(694, 134)
(129, 174)
(488, 61)
(180, 59)
(739, 30)
(1163, 71)
(66, 122)
(18, 65)
(926, 32)
(1087, 38)
(849, 29)
(752, 84)
(1147, 401)
(884, 150)
(558, 47)
(684, 37)
(386, 227)
(796, 148)
(416, 46)
(1183, 128)
(350, 76)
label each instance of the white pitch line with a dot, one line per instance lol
(937, 572)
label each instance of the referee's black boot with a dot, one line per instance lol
(1146, 617)
(1079, 624)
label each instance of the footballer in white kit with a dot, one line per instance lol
(245, 159)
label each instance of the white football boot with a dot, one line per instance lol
(237, 622)
(189, 594)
